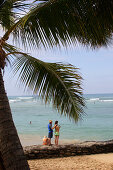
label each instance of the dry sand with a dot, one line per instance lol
(88, 162)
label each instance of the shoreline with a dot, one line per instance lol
(29, 140)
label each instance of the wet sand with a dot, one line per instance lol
(29, 140)
(88, 162)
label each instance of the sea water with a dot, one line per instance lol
(96, 123)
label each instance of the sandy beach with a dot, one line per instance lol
(29, 140)
(88, 162)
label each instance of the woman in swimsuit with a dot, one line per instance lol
(57, 128)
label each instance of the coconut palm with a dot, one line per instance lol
(48, 24)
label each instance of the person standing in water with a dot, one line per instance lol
(57, 129)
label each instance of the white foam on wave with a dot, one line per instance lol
(14, 101)
(100, 100)
(25, 98)
(22, 99)
(106, 100)
(94, 99)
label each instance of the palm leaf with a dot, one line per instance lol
(10, 51)
(11, 10)
(53, 82)
(57, 22)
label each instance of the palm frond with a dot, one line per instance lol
(56, 82)
(57, 22)
(10, 51)
(10, 11)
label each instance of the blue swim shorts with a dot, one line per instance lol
(50, 134)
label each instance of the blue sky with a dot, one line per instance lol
(96, 68)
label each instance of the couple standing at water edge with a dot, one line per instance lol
(50, 129)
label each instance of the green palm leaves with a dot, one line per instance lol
(11, 11)
(57, 22)
(57, 83)
(54, 82)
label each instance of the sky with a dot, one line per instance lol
(96, 68)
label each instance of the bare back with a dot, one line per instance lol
(57, 128)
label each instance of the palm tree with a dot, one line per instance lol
(50, 23)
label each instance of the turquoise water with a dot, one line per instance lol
(97, 123)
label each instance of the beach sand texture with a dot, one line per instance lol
(87, 162)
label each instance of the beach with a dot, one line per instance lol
(97, 125)
(81, 156)
(87, 162)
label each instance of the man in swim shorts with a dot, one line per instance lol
(50, 133)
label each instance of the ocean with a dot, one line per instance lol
(96, 123)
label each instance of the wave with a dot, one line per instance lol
(14, 101)
(99, 100)
(34, 100)
(25, 98)
(94, 99)
(106, 100)
(21, 99)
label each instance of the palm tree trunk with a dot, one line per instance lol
(11, 150)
